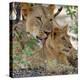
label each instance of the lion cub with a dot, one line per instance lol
(58, 48)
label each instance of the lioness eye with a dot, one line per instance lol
(38, 18)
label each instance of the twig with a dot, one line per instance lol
(59, 10)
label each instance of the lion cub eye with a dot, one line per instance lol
(51, 19)
(63, 38)
(54, 34)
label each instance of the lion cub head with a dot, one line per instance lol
(61, 40)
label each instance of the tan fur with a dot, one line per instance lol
(51, 8)
(52, 53)
(53, 49)
(25, 9)
(33, 24)
(57, 46)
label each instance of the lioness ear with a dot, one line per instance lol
(65, 28)
(51, 8)
(25, 9)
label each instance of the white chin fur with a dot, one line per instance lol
(40, 44)
(34, 34)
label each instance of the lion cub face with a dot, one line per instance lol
(61, 40)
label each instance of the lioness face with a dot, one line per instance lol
(40, 32)
(61, 40)
(39, 23)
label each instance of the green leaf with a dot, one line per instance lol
(27, 51)
(24, 62)
(17, 58)
(31, 43)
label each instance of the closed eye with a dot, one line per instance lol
(39, 18)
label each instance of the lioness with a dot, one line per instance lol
(54, 38)
(39, 21)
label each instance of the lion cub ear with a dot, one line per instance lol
(56, 31)
(65, 28)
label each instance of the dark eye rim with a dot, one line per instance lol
(63, 38)
(39, 18)
(51, 19)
